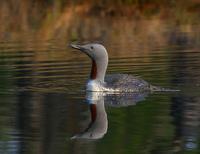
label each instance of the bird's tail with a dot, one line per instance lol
(160, 89)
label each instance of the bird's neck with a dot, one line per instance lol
(98, 70)
(93, 73)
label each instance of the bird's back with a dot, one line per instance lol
(126, 83)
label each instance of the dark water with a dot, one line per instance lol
(44, 108)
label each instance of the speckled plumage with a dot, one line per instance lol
(126, 83)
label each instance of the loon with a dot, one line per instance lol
(99, 81)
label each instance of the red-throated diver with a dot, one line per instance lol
(115, 82)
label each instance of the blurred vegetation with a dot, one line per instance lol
(47, 16)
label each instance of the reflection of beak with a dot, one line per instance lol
(75, 46)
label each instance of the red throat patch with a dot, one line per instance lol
(93, 73)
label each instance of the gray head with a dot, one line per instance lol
(99, 57)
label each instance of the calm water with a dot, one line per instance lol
(44, 108)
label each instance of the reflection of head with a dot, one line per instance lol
(99, 122)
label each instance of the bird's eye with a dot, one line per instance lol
(92, 47)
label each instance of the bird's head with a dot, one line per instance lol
(94, 50)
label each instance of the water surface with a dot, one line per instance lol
(43, 102)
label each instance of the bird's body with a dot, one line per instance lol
(119, 83)
(99, 81)
(131, 84)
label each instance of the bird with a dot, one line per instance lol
(99, 81)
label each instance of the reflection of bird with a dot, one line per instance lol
(99, 122)
(97, 128)
(114, 83)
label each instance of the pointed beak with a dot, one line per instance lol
(76, 46)
(81, 48)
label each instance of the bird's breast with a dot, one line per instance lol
(94, 85)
